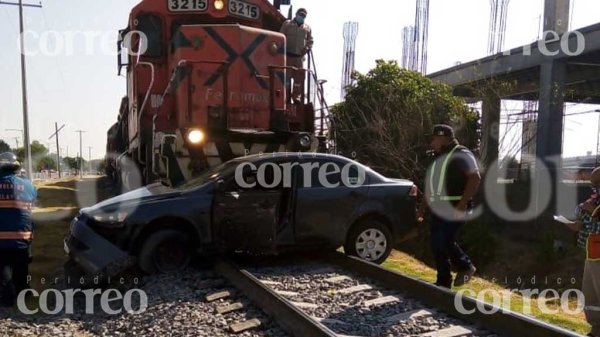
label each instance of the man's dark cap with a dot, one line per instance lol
(443, 130)
(302, 10)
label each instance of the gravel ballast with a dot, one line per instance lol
(353, 305)
(177, 306)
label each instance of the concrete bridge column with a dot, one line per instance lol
(551, 112)
(490, 109)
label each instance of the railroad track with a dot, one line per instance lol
(341, 296)
(233, 312)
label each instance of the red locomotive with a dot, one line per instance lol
(206, 82)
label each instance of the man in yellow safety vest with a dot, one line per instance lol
(588, 238)
(452, 181)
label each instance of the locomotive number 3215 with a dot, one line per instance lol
(188, 5)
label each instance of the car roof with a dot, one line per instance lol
(291, 155)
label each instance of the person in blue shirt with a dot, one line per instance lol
(17, 197)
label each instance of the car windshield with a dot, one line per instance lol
(213, 174)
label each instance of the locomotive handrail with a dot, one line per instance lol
(272, 69)
(324, 118)
(141, 110)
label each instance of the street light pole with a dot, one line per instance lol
(27, 144)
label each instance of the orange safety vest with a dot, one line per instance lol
(16, 236)
(592, 246)
(16, 204)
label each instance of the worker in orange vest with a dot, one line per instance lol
(588, 227)
(17, 196)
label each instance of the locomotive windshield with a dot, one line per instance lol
(151, 26)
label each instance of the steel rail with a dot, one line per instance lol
(502, 321)
(292, 319)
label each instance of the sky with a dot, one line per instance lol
(75, 83)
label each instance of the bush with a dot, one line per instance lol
(387, 118)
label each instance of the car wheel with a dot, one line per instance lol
(166, 251)
(369, 240)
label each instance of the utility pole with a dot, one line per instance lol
(80, 153)
(90, 159)
(27, 143)
(55, 134)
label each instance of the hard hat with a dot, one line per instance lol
(8, 160)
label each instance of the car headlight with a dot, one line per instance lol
(195, 136)
(115, 219)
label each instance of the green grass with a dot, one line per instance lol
(410, 266)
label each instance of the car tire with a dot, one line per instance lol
(370, 240)
(166, 251)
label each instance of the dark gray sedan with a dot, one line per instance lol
(262, 204)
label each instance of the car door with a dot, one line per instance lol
(323, 213)
(245, 219)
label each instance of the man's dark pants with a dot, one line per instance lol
(445, 249)
(14, 268)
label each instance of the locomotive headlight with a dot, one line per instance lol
(195, 136)
(304, 141)
(219, 5)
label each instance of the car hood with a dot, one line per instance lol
(140, 195)
(403, 182)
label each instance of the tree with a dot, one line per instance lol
(47, 162)
(38, 152)
(4, 147)
(73, 162)
(387, 118)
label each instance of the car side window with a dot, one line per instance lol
(267, 177)
(331, 174)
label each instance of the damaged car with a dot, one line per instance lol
(261, 204)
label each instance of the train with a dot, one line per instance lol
(207, 81)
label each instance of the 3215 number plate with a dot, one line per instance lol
(188, 5)
(244, 10)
